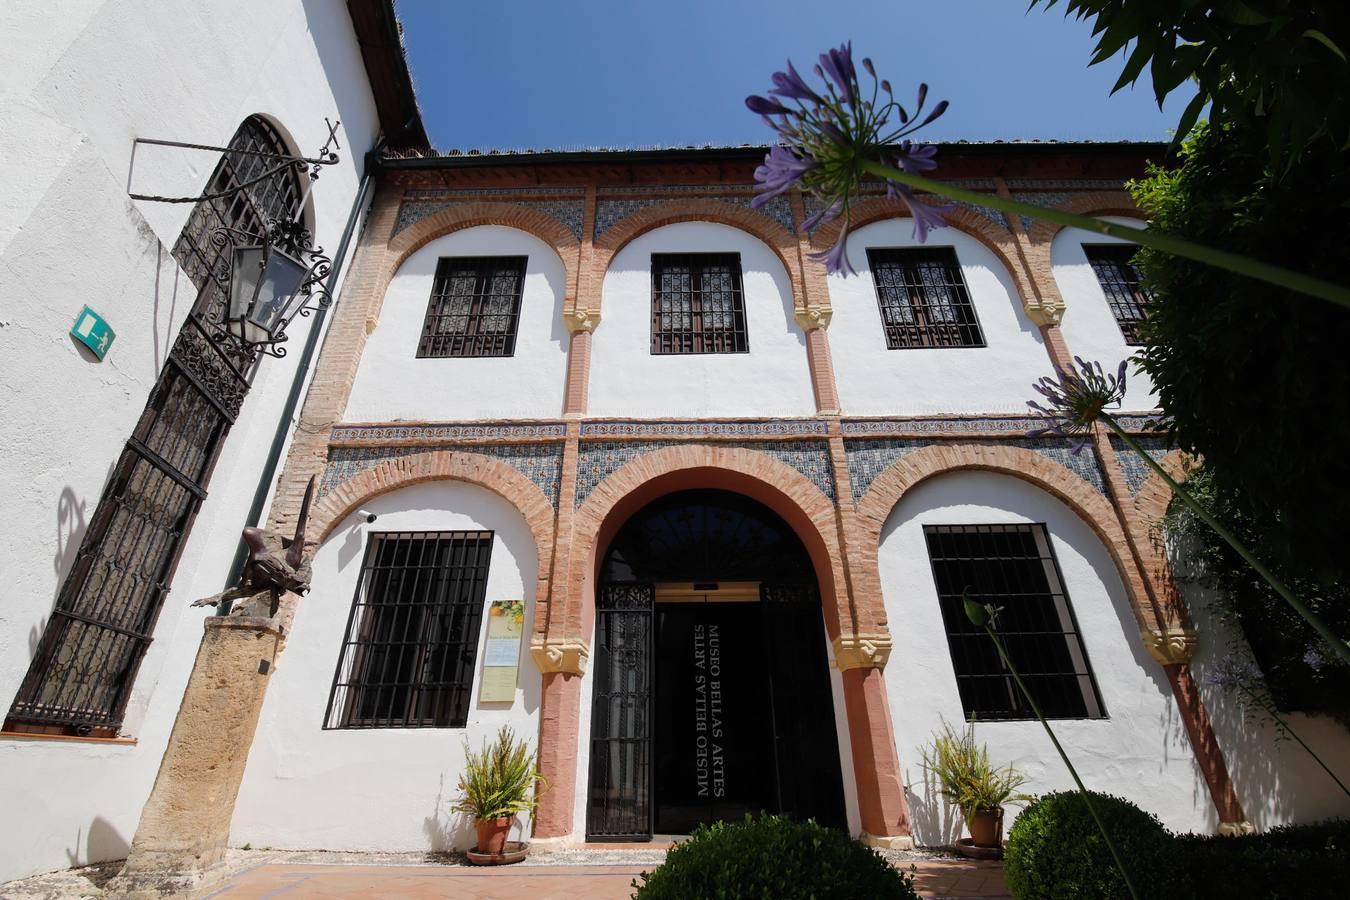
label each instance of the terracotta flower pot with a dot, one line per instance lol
(986, 826)
(492, 834)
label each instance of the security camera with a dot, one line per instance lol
(370, 516)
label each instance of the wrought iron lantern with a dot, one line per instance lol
(270, 279)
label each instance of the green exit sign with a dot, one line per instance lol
(91, 330)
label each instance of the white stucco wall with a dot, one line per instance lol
(772, 379)
(875, 381)
(1089, 328)
(379, 788)
(1141, 752)
(78, 82)
(392, 383)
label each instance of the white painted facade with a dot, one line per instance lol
(78, 82)
(772, 379)
(392, 383)
(1139, 751)
(380, 788)
(1088, 326)
(874, 380)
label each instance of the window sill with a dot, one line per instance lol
(70, 738)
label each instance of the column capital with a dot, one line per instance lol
(581, 319)
(814, 317)
(868, 650)
(1170, 646)
(1043, 313)
(566, 655)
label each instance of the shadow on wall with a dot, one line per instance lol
(102, 842)
(935, 821)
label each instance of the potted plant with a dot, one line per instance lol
(972, 783)
(499, 782)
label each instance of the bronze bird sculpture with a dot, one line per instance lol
(276, 565)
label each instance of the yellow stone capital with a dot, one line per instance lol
(581, 319)
(814, 317)
(1236, 829)
(567, 655)
(1171, 646)
(862, 651)
(1042, 314)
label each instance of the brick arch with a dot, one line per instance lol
(1097, 203)
(446, 465)
(757, 475)
(1094, 509)
(781, 240)
(991, 234)
(486, 212)
(1154, 496)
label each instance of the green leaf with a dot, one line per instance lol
(1143, 49)
(1324, 41)
(1187, 120)
(1239, 13)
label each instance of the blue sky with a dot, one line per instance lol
(534, 73)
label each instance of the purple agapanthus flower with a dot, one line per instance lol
(1076, 399)
(825, 136)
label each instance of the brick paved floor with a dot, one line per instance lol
(950, 879)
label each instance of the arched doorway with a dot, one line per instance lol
(711, 688)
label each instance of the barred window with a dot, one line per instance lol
(412, 636)
(698, 305)
(1012, 567)
(474, 307)
(1120, 282)
(923, 299)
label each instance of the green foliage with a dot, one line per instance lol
(772, 856)
(1307, 862)
(1055, 851)
(1255, 382)
(1277, 66)
(966, 776)
(500, 779)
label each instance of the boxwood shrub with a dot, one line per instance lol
(772, 856)
(1293, 861)
(1056, 852)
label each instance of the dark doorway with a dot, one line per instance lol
(712, 695)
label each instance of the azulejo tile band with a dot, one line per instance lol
(638, 427)
(954, 425)
(1064, 184)
(600, 459)
(1134, 468)
(541, 463)
(445, 193)
(869, 458)
(390, 434)
(1144, 422)
(569, 212)
(609, 213)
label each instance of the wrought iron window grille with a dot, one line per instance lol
(474, 308)
(411, 644)
(923, 299)
(1012, 567)
(698, 304)
(1120, 281)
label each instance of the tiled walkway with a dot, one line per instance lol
(933, 879)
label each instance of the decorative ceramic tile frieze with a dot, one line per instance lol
(609, 213)
(814, 205)
(1136, 471)
(988, 212)
(600, 459)
(728, 428)
(1065, 184)
(1044, 199)
(445, 193)
(1141, 423)
(709, 189)
(396, 433)
(869, 458)
(541, 463)
(939, 425)
(569, 212)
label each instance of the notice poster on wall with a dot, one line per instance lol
(501, 657)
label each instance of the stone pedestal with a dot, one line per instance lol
(180, 842)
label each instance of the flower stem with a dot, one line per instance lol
(1338, 645)
(1232, 262)
(1283, 725)
(1101, 826)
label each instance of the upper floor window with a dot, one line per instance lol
(474, 307)
(698, 305)
(412, 636)
(1120, 281)
(923, 298)
(1012, 567)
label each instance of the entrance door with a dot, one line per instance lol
(714, 731)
